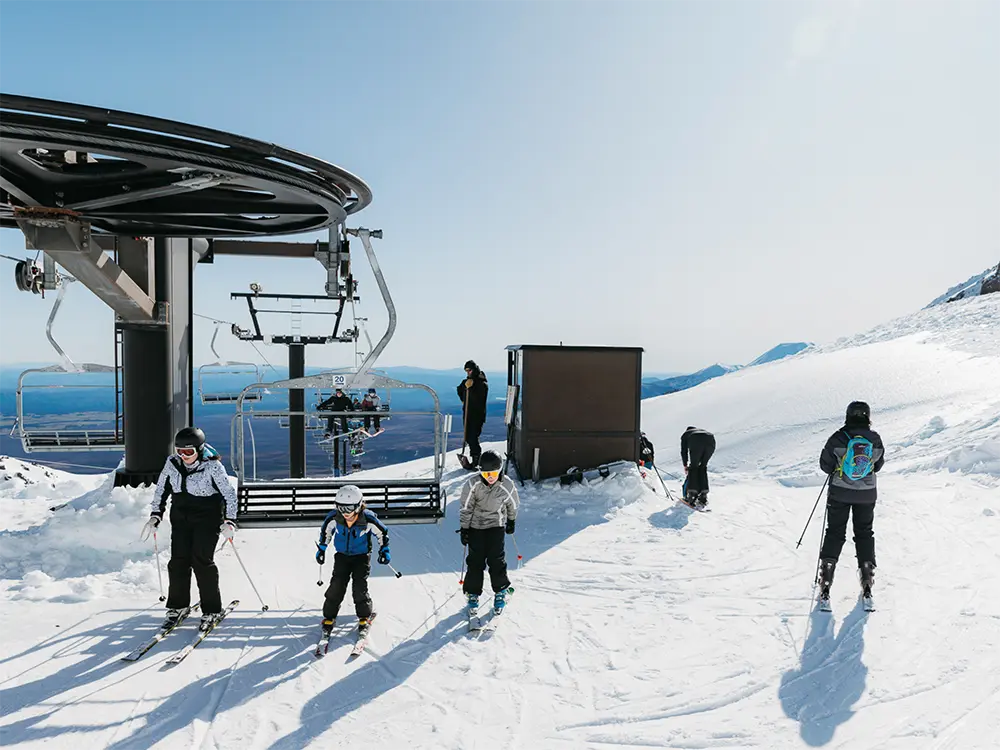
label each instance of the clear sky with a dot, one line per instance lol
(702, 179)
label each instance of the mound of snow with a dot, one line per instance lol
(96, 533)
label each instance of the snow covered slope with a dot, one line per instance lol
(635, 621)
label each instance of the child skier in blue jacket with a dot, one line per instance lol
(350, 527)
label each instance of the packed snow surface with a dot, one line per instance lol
(636, 622)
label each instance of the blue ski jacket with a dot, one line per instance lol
(356, 539)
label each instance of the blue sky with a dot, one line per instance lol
(704, 180)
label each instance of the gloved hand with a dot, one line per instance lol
(228, 529)
(510, 526)
(150, 526)
(383, 555)
(463, 534)
(320, 553)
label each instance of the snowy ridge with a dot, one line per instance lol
(636, 622)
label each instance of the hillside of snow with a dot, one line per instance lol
(971, 286)
(636, 622)
(780, 352)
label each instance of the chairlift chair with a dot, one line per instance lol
(80, 436)
(214, 370)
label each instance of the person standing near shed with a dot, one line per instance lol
(473, 392)
(697, 447)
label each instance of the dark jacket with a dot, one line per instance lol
(337, 403)
(697, 446)
(646, 453)
(356, 539)
(473, 397)
(844, 489)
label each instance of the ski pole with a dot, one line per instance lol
(799, 543)
(240, 559)
(519, 558)
(662, 483)
(159, 575)
(398, 574)
(461, 576)
(319, 581)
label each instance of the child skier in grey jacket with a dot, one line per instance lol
(488, 508)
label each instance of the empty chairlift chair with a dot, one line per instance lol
(221, 382)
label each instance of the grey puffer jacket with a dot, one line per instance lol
(485, 506)
(843, 489)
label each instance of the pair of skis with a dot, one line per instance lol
(163, 632)
(323, 646)
(823, 602)
(476, 624)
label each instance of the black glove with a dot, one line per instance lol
(320, 553)
(510, 526)
(463, 534)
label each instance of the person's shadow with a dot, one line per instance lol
(830, 678)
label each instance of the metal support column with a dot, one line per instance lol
(296, 422)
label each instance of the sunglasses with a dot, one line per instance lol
(187, 452)
(491, 475)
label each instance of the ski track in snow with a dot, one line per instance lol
(636, 621)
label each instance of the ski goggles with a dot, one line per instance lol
(348, 509)
(491, 476)
(186, 452)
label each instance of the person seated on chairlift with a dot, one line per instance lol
(371, 403)
(338, 402)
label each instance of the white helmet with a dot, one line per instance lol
(349, 498)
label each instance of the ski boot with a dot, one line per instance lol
(172, 618)
(867, 575)
(473, 603)
(365, 623)
(825, 580)
(701, 500)
(500, 599)
(208, 621)
(327, 626)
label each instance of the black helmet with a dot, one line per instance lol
(490, 461)
(189, 437)
(858, 412)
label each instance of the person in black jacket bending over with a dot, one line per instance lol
(851, 457)
(473, 392)
(697, 447)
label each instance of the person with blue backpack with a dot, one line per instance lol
(852, 456)
(349, 527)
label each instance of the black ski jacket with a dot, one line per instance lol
(697, 446)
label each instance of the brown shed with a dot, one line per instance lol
(572, 406)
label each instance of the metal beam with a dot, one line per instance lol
(69, 243)
(275, 249)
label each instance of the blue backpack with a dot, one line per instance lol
(859, 459)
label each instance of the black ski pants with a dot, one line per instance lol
(836, 530)
(353, 568)
(697, 478)
(472, 432)
(486, 548)
(192, 548)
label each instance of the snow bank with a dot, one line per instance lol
(94, 534)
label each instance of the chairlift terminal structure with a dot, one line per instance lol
(162, 196)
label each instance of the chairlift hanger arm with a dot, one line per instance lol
(254, 311)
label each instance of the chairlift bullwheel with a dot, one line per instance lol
(28, 277)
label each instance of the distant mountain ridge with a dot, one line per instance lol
(663, 386)
(983, 283)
